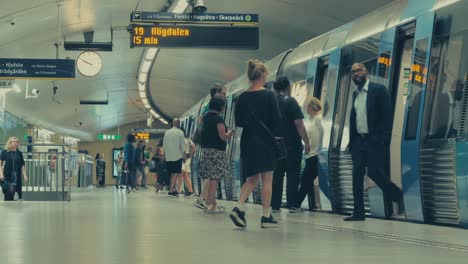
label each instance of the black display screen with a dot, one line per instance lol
(194, 37)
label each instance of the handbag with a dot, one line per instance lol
(279, 144)
(197, 136)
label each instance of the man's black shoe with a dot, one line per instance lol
(354, 218)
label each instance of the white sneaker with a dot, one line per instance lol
(200, 204)
(214, 210)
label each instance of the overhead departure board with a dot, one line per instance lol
(141, 135)
(228, 37)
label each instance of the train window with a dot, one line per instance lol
(445, 88)
(366, 52)
(418, 79)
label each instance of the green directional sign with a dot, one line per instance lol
(108, 137)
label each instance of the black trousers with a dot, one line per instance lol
(307, 181)
(130, 177)
(19, 188)
(374, 156)
(10, 189)
(292, 167)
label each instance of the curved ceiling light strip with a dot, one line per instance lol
(144, 71)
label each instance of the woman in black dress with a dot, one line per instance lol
(12, 166)
(255, 106)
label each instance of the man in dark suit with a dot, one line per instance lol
(370, 133)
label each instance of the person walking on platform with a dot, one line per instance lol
(216, 90)
(140, 163)
(294, 133)
(100, 170)
(314, 134)
(12, 165)
(257, 113)
(118, 161)
(369, 139)
(186, 166)
(130, 162)
(174, 147)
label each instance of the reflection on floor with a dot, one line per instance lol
(107, 226)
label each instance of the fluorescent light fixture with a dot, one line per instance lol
(45, 131)
(142, 94)
(145, 101)
(94, 102)
(154, 113)
(145, 66)
(180, 7)
(141, 87)
(142, 77)
(151, 53)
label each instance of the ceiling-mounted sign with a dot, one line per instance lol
(206, 18)
(7, 84)
(109, 137)
(141, 135)
(37, 69)
(194, 37)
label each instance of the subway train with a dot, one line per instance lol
(417, 50)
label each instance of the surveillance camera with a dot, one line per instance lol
(198, 6)
(35, 91)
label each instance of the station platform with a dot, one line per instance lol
(109, 226)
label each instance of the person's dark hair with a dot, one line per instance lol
(217, 103)
(216, 88)
(269, 85)
(121, 148)
(98, 156)
(282, 84)
(130, 138)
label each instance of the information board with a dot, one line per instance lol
(141, 135)
(194, 37)
(205, 18)
(37, 69)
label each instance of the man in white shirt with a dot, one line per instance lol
(370, 133)
(174, 146)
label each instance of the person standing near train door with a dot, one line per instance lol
(293, 130)
(369, 139)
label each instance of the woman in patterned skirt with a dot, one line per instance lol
(214, 163)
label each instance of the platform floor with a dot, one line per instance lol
(107, 226)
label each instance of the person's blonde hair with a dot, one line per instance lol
(9, 142)
(314, 103)
(256, 69)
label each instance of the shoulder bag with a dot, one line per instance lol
(197, 136)
(279, 144)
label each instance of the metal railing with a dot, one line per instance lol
(46, 182)
(85, 172)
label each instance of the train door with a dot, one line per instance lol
(328, 85)
(233, 150)
(443, 125)
(317, 76)
(225, 185)
(393, 71)
(412, 155)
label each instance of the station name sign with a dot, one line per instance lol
(144, 35)
(206, 18)
(53, 69)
